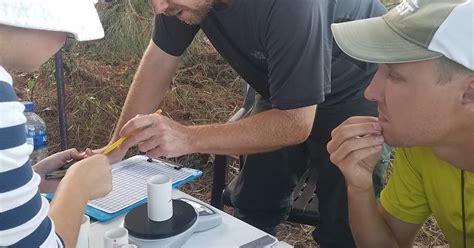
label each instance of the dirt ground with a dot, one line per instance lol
(205, 90)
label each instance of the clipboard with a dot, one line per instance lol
(133, 172)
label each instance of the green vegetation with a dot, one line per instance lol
(128, 27)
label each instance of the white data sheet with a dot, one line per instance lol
(129, 179)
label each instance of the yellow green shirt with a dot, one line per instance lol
(421, 185)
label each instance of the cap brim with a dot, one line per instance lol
(372, 40)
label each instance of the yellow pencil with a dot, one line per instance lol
(114, 145)
(121, 140)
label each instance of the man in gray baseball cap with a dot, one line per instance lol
(425, 93)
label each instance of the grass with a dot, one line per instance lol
(128, 28)
(98, 75)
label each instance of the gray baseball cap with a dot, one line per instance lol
(415, 30)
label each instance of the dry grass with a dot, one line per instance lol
(204, 90)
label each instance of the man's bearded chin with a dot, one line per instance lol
(197, 16)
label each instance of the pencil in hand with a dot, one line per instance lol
(61, 173)
(121, 140)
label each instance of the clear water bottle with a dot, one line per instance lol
(35, 133)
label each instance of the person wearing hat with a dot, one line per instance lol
(284, 50)
(424, 88)
(31, 31)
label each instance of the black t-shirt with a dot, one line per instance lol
(282, 48)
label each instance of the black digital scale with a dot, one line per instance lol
(189, 216)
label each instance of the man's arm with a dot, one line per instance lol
(372, 226)
(149, 85)
(86, 180)
(404, 232)
(153, 77)
(266, 131)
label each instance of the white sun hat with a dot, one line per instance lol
(77, 17)
(415, 30)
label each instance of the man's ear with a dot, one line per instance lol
(468, 95)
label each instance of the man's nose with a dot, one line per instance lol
(159, 6)
(374, 92)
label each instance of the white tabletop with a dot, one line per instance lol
(231, 233)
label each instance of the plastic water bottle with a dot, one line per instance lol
(35, 133)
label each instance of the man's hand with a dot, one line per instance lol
(114, 156)
(355, 148)
(52, 163)
(157, 135)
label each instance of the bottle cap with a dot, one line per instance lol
(29, 106)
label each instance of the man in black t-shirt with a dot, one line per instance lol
(284, 49)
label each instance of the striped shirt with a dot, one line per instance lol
(24, 220)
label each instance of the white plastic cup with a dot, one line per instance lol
(83, 237)
(160, 205)
(116, 237)
(128, 246)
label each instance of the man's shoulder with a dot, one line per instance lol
(341, 9)
(275, 5)
(330, 10)
(348, 10)
(422, 159)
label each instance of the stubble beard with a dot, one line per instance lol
(201, 12)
